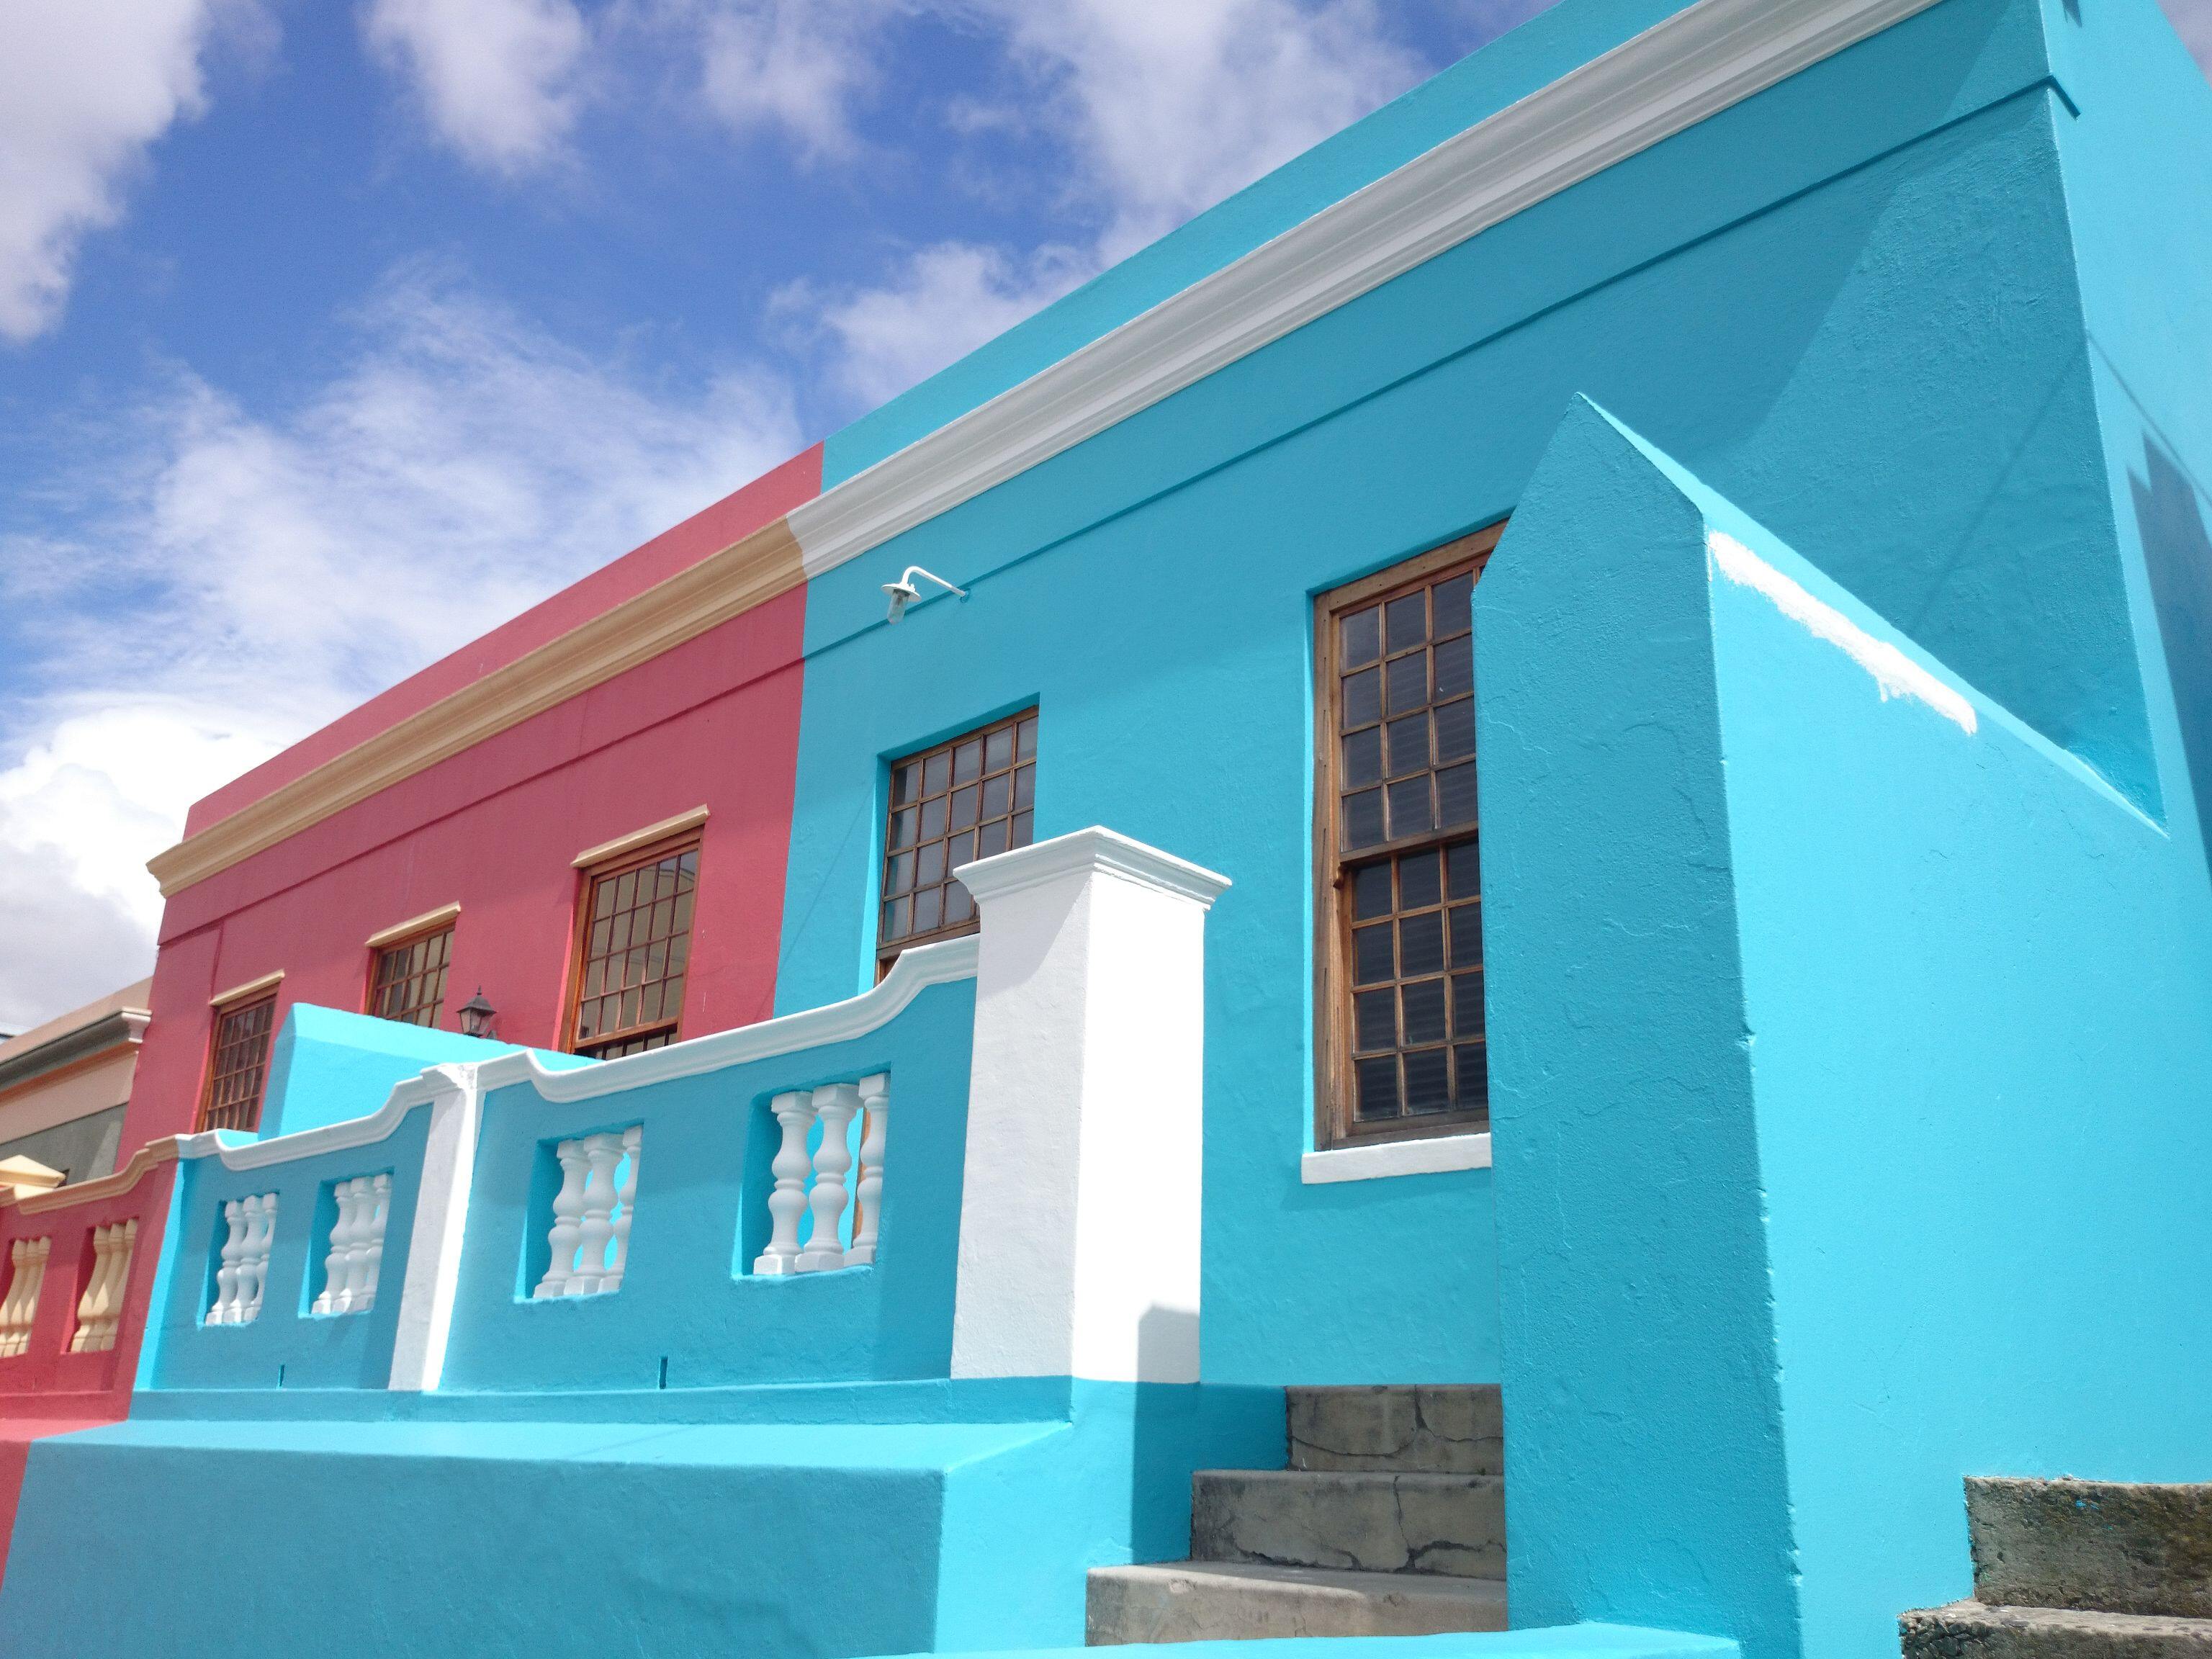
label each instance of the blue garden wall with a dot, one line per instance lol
(1844, 1038)
(327, 1065)
(690, 1312)
(1848, 302)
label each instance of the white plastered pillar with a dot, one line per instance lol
(1081, 1207)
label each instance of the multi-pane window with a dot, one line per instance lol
(960, 801)
(409, 982)
(238, 1065)
(635, 948)
(1402, 1044)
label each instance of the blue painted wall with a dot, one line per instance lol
(1849, 302)
(327, 1065)
(1843, 1059)
(689, 1299)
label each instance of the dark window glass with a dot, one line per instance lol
(637, 946)
(410, 980)
(963, 800)
(238, 1065)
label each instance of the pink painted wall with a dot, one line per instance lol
(713, 722)
(49, 1390)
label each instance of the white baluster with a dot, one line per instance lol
(375, 1203)
(354, 1269)
(334, 1251)
(633, 1143)
(794, 1114)
(253, 1262)
(835, 1104)
(567, 1212)
(226, 1275)
(601, 1154)
(868, 1190)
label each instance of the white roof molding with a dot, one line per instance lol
(1682, 70)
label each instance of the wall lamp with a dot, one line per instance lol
(903, 592)
(477, 1017)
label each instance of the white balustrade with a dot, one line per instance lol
(589, 1241)
(100, 1309)
(243, 1273)
(834, 1106)
(19, 1310)
(357, 1245)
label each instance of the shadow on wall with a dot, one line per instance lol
(1162, 1436)
(2177, 553)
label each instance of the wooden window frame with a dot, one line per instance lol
(385, 944)
(1336, 1122)
(224, 1012)
(887, 953)
(588, 879)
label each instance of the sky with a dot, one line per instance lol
(331, 335)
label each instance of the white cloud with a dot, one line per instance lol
(500, 80)
(85, 87)
(941, 303)
(279, 569)
(790, 65)
(2192, 20)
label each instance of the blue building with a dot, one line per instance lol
(1762, 440)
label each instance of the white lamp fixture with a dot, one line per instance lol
(903, 592)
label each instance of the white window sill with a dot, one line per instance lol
(1433, 1156)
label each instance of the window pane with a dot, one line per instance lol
(1467, 1004)
(991, 839)
(1428, 1081)
(1370, 892)
(1471, 1088)
(960, 850)
(1464, 872)
(1026, 740)
(1409, 808)
(1418, 881)
(1409, 683)
(1371, 954)
(997, 796)
(967, 761)
(1363, 758)
(1423, 1004)
(1376, 1021)
(998, 750)
(1363, 819)
(937, 772)
(1362, 699)
(1450, 597)
(1020, 833)
(965, 805)
(1378, 1087)
(928, 908)
(906, 783)
(958, 906)
(1421, 944)
(1467, 936)
(1409, 744)
(1362, 637)
(1455, 723)
(898, 874)
(1025, 787)
(931, 869)
(1455, 794)
(1407, 621)
(1452, 663)
(933, 819)
(902, 827)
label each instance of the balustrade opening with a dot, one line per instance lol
(354, 1253)
(100, 1309)
(835, 1221)
(589, 1240)
(242, 1274)
(19, 1310)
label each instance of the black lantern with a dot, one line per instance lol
(477, 1015)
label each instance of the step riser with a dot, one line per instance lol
(1155, 1604)
(1966, 1631)
(2105, 1546)
(1450, 1525)
(1437, 1431)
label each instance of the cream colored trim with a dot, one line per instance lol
(608, 851)
(428, 921)
(86, 1191)
(719, 586)
(1683, 70)
(252, 988)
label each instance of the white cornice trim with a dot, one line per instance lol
(1433, 1155)
(1678, 72)
(1096, 848)
(916, 971)
(609, 850)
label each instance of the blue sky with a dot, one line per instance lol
(331, 334)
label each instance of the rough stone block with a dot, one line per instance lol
(1204, 1601)
(1452, 1524)
(2105, 1545)
(1970, 1630)
(1421, 1430)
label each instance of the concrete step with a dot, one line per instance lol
(1213, 1601)
(2101, 1545)
(1452, 1524)
(1420, 1430)
(1975, 1630)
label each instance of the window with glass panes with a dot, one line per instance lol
(960, 801)
(1401, 1036)
(633, 951)
(238, 1063)
(409, 982)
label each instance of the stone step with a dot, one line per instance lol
(2101, 1545)
(1452, 1524)
(1213, 1601)
(1975, 1630)
(1428, 1429)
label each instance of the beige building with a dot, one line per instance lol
(64, 1085)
